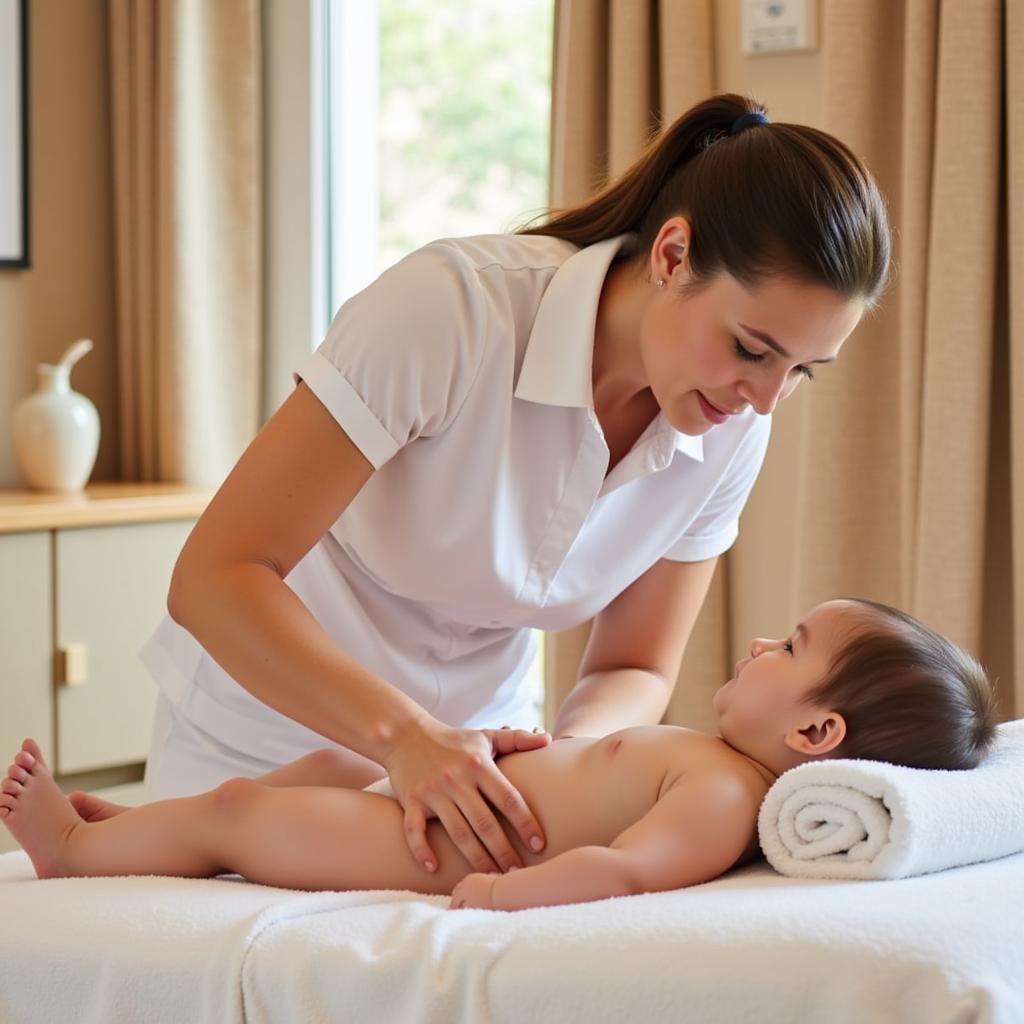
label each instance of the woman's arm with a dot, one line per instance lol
(228, 590)
(636, 645)
(696, 831)
(228, 586)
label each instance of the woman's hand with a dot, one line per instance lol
(448, 773)
(474, 892)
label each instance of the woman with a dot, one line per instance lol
(508, 432)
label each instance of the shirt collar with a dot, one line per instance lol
(689, 444)
(557, 366)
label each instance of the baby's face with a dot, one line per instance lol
(760, 705)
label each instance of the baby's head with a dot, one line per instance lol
(858, 679)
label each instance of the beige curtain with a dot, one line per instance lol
(899, 475)
(185, 95)
(1007, 547)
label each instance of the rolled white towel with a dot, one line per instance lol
(871, 819)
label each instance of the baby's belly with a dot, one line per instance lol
(583, 791)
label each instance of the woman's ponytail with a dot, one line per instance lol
(622, 205)
(762, 199)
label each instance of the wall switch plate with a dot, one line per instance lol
(777, 26)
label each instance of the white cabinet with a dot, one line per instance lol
(26, 642)
(89, 577)
(110, 590)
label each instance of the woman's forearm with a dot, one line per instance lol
(604, 702)
(576, 876)
(259, 631)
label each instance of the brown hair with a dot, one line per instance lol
(774, 199)
(909, 695)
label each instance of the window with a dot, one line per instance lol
(438, 118)
(435, 120)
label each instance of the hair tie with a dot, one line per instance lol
(746, 120)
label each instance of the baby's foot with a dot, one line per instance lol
(89, 807)
(37, 813)
(93, 808)
(16, 772)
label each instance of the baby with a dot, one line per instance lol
(643, 809)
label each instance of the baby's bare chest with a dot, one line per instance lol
(587, 792)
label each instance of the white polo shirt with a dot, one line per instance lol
(464, 375)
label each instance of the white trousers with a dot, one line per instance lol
(185, 761)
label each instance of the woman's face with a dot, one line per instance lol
(722, 349)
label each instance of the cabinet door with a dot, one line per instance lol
(111, 591)
(26, 645)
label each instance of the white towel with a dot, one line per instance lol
(870, 819)
(750, 948)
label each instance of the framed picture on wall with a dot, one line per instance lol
(14, 133)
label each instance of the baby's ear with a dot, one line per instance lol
(818, 736)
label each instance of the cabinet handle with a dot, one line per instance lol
(73, 665)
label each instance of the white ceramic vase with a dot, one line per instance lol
(57, 430)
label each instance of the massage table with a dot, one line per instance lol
(942, 948)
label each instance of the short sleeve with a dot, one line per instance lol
(716, 526)
(400, 357)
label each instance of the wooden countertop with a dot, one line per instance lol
(100, 505)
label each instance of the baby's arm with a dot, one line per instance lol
(697, 830)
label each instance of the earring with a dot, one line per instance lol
(660, 282)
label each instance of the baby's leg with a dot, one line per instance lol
(59, 843)
(302, 838)
(326, 838)
(326, 767)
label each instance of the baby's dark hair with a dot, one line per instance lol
(909, 695)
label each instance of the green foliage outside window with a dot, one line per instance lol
(465, 92)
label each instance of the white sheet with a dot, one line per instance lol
(943, 949)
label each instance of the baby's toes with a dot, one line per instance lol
(25, 760)
(32, 749)
(11, 787)
(17, 773)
